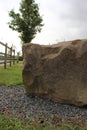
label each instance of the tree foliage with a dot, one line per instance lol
(27, 21)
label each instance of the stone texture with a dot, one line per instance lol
(57, 72)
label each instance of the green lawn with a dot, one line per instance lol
(8, 123)
(11, 75)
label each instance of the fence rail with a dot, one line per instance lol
(8, 55)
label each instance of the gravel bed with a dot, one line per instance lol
(23, 106)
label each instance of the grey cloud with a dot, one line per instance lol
(75, 10)
(75, 16)
(70, 13)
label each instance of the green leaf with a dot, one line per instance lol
(27, 22)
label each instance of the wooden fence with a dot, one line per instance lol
(8, 55)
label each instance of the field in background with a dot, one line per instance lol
(11, 75)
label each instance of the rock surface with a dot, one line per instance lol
(57, 72)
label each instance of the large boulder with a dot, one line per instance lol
(57, 72)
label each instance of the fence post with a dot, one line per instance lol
(10, 56)
(14, 57)
(5, 61)
(17, 57)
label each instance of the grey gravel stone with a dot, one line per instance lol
(23, 106)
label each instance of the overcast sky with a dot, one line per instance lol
(63, 20)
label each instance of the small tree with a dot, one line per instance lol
(27, 21)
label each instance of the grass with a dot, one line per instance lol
(8, 123)
(11, 75)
